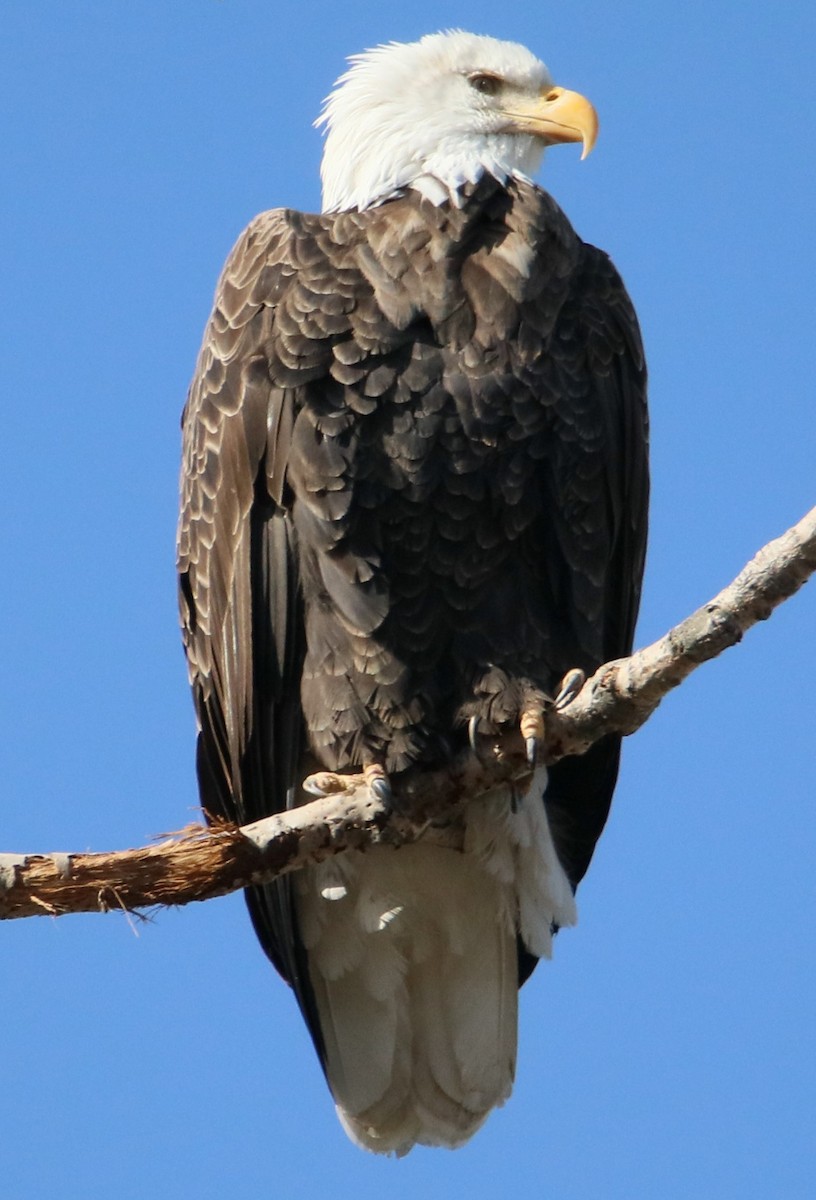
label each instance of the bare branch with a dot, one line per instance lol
(622, 695)
(200, 863)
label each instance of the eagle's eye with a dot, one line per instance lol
(484, 82)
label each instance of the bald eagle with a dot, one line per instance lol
(414, 494)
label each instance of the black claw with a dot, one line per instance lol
(531, 745)
(381, 789)
(473, 733)
(571, 685)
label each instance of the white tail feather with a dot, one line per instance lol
(412, 958)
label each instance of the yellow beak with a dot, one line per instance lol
(556, 115)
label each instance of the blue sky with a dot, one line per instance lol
(668, 1049)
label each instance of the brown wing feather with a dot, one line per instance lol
(240, 605)
(605, 542)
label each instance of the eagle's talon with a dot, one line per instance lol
(531, 727)
(326, 783)
(569, 687)
(332, 783)
(473, 734)
(381, 790)
(378, 782)
(481, 735)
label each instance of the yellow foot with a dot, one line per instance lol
(531, 722)
(331, 783)
(328, 783)
(531, 725)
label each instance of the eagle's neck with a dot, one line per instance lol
(440, 169)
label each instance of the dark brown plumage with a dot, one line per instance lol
(414, 490)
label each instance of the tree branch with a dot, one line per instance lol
(200, 863)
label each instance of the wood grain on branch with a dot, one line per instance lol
(200, 863)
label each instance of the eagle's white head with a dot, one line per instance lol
(439, 113)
